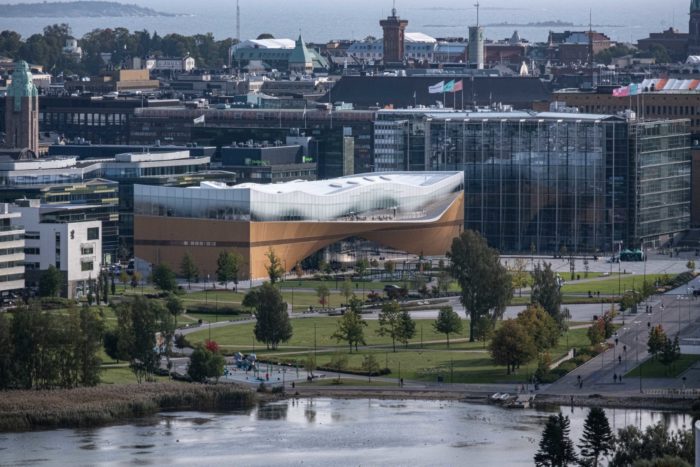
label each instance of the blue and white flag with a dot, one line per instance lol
(437, 88)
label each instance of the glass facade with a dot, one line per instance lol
(552, 181)
(369, 197)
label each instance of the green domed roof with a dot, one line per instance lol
(300, 54)
(22, 84)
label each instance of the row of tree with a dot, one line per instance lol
(45, 350)
(46, 49)
(655, 446)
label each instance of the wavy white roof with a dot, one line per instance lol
(343, 184)
(266, 44)
(419, 37)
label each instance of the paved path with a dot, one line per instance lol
(678, 313)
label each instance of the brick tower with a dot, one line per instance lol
(694, 28)
(394, 32)
(22, 111)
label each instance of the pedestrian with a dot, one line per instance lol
(615, 377)
(619, 359)
(293, 385)
(401, 382)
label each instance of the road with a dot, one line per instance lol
(677, 311)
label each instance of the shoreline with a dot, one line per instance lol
(31, 410)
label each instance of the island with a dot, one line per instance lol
(78, 9)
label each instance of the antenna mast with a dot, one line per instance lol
(477, 13)
(238, 22)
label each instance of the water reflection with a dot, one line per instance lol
(334, 432)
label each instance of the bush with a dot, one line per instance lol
(56, 303)
(211, 309)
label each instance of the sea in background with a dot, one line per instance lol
(323, 20)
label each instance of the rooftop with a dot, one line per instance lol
(339, 185)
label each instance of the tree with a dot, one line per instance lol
(339, 362)
(690, 265)
(485, 283)
(6, 349)
(138, 322)
(50, 282)
(174, 305)
(322, 292)
(519, 275)
(205, 364)
(272, 324)
(406, 328)
(351, 329)
(299, 271)
(111, 345)
(135, 279)
(444, 280)
(556, 447)
(346, 289)
(670, 352)
(228, 266)
(389, 321)
(595, 334)
(657, 339)
(310, 364)
(540, 326)
(275, 271)
(389, 267)
(164, 278)
(448, 322)
(512, 346)
(370, 365)
(124, 279)
(483, 329)
(597, 438)
(655, 446)
(87, 344)
(188, 269)
(546, 291)
(361, 267)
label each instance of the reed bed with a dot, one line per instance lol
(84, 407)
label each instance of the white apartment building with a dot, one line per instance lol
(11, 251)
(183, 64)
(73, 247)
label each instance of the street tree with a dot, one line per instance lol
(556, 447)
(512, 346)
(272, 324)
(274, 268)
(444, 280)
(351, 329)
(670, 352)
(299, 271)
(322, 292)
(540, 326)
(346, 289)
(484, 329)
(370, 365)
(87, 344)
(124, 279)
(597, 438)
(655, 446)
(546, 291)
(50, 282)
(164, 278)
(228, 266)
(406, 328)
(448, 322)
(389, 319)
(519, 275)
(188, 269)
(174, 305)
(361, 267)
(485, 283)
(111, 345)
(657, 339)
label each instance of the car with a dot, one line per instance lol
(696, 292)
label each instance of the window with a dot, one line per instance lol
(32, 251)
(86, 266)
(93, 233)
(87, 250)
(31, 236)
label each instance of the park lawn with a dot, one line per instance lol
(331, 284)
(654, 368)
(121, 375)
(303, 337)
(222, 296)
(612, 285)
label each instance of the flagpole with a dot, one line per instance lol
(462, 97)
(454, 100)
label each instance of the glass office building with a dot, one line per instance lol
(547, 181)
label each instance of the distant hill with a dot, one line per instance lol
(79, 9)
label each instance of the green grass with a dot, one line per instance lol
(121, 375)
(333, 381)
(610, 286)
(654, 368)
(470, 362)
(331, 284)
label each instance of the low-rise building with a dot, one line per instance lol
(74, 247)
(11, 252)
(183, 64)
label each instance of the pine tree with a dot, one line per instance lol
(556, 448)
(597, 437)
